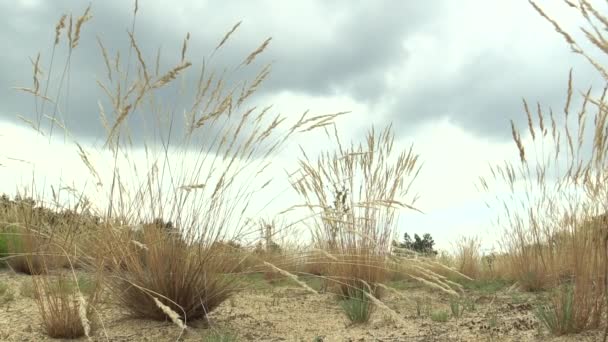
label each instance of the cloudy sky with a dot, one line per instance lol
(449, 75)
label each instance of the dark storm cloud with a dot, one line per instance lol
(347, 50)
(488, 92)
(318, 49)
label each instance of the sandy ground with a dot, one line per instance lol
(289, 313)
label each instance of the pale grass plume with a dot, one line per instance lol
(106, 58)
(140, 58)
(174, 316)
(82, 314)
(171, 74)
(436, 286)
(79, 22)
(383, 306)
(227, 35)
(184, 49)
(60, 26)
(291, 276)
(256, 52)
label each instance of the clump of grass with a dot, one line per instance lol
(357, 306)
(66, 312)
(441, 316)
(558, 317)
(354, 194)
(468, 258)
(190, 280)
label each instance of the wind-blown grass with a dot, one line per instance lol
(556, 233)
(223, 153)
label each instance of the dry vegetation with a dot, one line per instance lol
(179, 253)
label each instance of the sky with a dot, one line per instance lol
(449, 76)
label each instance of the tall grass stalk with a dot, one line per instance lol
(554, 213)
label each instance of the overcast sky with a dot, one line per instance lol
(449, 75)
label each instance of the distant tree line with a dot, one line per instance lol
(420, 245)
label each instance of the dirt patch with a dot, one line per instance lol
(289, 313)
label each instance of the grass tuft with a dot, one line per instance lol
(357, 306)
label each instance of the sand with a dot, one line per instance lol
(290, 313)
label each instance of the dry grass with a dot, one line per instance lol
(556, 235)
(225, 148)
(37, 237)
(468, 256)
(65, 311)
(191, 280)
(354, 196)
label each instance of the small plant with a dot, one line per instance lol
(558, 316)
(357, 306)
(440, 316)
(6, 295)
(63, 308)
(220, 336)
(456, 308)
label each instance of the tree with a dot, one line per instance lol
(422, 245)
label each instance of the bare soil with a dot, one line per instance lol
(285, 312)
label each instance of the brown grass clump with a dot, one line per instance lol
(65, 310)
(190, 280)
(468, 257)
(354, 195)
